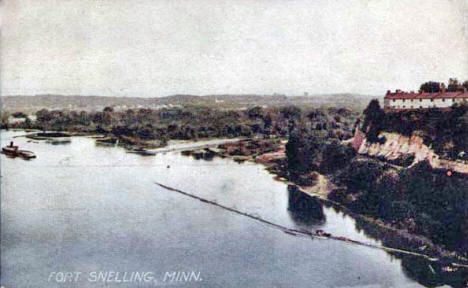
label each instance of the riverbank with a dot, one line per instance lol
(56, 137)
(443, 262)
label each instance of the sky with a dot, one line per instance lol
(150, 48)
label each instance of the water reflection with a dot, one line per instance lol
(309, 212)
(303, 209)
(58, 141)
(203, 154)
(427, 273)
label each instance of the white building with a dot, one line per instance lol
(400, 100)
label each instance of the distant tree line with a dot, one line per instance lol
(191, 122)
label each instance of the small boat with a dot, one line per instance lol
(107, 140)
(26, 154)
(48, 135)
(53, 134)
(12, 150)
(142, 151)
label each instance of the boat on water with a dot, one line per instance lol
(54, 138)
(13, 151)
(10, 149)
(58, 141)
(142, 151)
(26, 154)
(107, 141)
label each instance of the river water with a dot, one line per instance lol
(88, 209)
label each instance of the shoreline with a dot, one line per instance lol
(402, 239)
(392, 238)
(270, 160)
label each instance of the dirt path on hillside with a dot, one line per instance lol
(320, 189)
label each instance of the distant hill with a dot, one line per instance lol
(30, 104)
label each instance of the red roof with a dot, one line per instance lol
(424, 95)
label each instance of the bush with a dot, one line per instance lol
(335, 156)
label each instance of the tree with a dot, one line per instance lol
(268, 121)
(255, 112)
(19, 115)
(83, 118)
(98, 117)
(430, 87)
(27, 123)
(373, 119)
(290, 112)
(108, 109)
(465, 84)
(189, 132)
(460, 130)
(302, 151)
(335, 156)
(5, 116)
(43, 115)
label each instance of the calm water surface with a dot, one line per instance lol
(81, 207)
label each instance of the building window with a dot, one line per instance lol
(432, 100)
(420, 100)
(443, 100)
(403, 100)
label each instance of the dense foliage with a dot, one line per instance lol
(419, 198)
(308, 151)
(191, 122)
(446, 131)
(430, 87)
(423, 200)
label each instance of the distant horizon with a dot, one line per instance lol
(204, 95)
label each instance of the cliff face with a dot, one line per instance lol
(397, 146)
